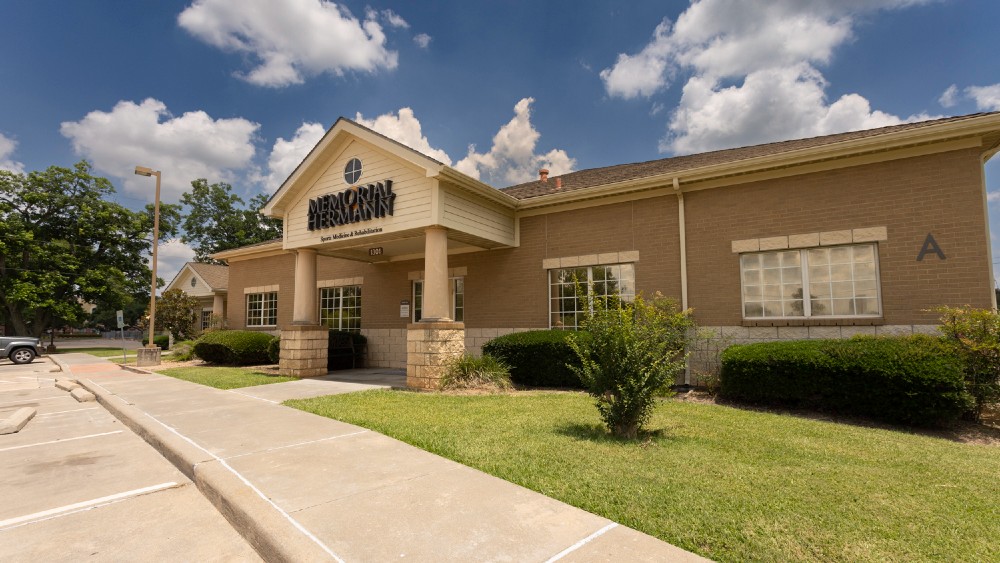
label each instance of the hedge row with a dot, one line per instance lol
(163, 341)
(538, 358)
(234, 347)
(912, 380)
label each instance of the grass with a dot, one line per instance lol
(99, 352)
(224, 377)
(729, 484)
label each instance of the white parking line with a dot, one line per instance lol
(66, 396)
(582, 543)
(62, 440)
(79, 506)
(73, 410)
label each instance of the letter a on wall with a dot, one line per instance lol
(930, 245)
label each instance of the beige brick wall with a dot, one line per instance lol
(938, 194)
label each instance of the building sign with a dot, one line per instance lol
(376, 251)
(404, 308)
(353, 205)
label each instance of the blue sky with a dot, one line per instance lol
(238, 91)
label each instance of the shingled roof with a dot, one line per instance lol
(624, 172)
(215, 275)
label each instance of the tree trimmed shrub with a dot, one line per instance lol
(913, 380)
(274, 350)
(234, 347)
(538, 358)
(633, 351)
(975, 334)
(161, 340)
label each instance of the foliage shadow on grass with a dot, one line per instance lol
(599, 434)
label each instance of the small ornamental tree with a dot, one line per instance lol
(175, 312)
(976, 335)
(634, 349)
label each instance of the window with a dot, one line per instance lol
(457, 299)
(842, 281)
(262, 309)
(352, 172)
(340, 307)
(206, 318)
(194, 282)
(568, 286)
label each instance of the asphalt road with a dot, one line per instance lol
(75, 483)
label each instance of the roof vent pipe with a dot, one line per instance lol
(543, 175)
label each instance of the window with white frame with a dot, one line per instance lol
(841, 281)
(457, 299)
(206, 318)
(340, 307)
(262, 309)
(569, 289)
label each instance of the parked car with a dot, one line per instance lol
(20, 349)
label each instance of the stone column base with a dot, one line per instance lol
(429, 347)
(303, 351)
(147, 357)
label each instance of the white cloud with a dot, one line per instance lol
(171, 256)
(394, 19)
(184, 148)
(751, 71)
(292, 39)
(987, 97)
(405, 128)
(286, 155)
(949, 98)
(422, 40)
(7, 147)
(992, 197)
(512, 158)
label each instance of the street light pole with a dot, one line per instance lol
(143, 171)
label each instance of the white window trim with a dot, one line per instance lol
(246, 311)
(807, 301)
(319, 300)
(590, 282)
(451, 298)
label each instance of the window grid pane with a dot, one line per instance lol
(340, 307)
(262, 309)
(842, 282)
(457, 299)
(569, 287)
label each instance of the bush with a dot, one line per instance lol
(470, 372)
(634, 350)
(912, 380)
(183, 351)
(163, 341)
(975, 334)
(274, 350)
(539, 358)
(234, 347)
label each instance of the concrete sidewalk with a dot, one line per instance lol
(301, 487)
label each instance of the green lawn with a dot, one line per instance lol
(729, 484)
(99, 352)
(224, 377)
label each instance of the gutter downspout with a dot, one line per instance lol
(684, 275)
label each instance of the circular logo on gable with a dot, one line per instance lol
(352, 172)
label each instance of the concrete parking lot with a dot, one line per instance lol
(76, 483)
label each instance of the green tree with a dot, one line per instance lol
(63, 244)
(217, 219)
(177, 312)
(634, 350)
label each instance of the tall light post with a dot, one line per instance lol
(143, 171)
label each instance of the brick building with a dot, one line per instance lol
(875, 227)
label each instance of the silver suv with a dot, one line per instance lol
(20, 349)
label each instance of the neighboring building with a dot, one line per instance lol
(208, 283)
(877, 227)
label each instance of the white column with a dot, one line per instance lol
(436, 306)
(218, 306)
(305, 310)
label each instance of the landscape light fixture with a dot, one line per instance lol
(143, 171)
